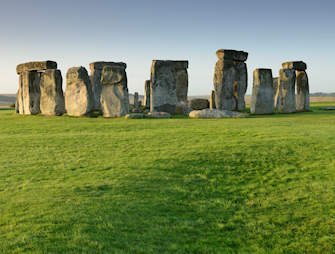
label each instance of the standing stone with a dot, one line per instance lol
(96, 72)
(262, 92)
(169, 85)
(114, 93)
(28, 95)
(302, 91)
(52, 98)
(146, 102)
(286, 92)
(78, 94)
(275, 91)
(230, 79)
(212, 104)
(136, 103)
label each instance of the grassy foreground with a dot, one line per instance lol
(254, 185)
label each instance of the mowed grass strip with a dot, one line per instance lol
(263, 184)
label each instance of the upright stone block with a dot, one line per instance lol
(146, 101)
(136, 103)
(302, 98)
(114, 93)
(275, 91)
(79, 99)
(224, 80)
(212, 104)
(262, 101)
(52, 99)
(285, 97)
(28, 95)
(96, 72)
(169, 84)
(230, 80)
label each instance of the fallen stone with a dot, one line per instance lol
(36, 66)
(295, 65)
(199, 104)
(135, 116)
(79, 99)
(158, 115)
(114, 93)
(216, 113)
(234, 55)
(285, 97)
(327, 108)
(302, 98)
(52, 99)
(262, 101)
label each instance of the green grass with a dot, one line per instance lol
(256, 185)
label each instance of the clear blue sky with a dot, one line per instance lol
(78, 32)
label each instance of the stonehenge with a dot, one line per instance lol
(79, 99)
(262, 101)
(105, 91)
(114, 93)
(40, 89)
(230, 79)
(169, 85)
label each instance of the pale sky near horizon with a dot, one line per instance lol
(75, 33)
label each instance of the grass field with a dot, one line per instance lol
(91, 185)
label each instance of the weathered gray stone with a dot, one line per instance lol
(158, 115)
(52, 98)
(230, 80)
(95, 76)
(262, 101)
(136, 101)
(199, 104)
(224, 79)
(135, 116)
(302, 98)
(28, 95)
(146, 101)
(286, 92)
(234, 55)
(275, 86)
(169, 83)
(114, 93)
(182, 84)
(79, 99)
(215, 113)
(241, 85)
(295, 65)
(212, 104)
(36, 66)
